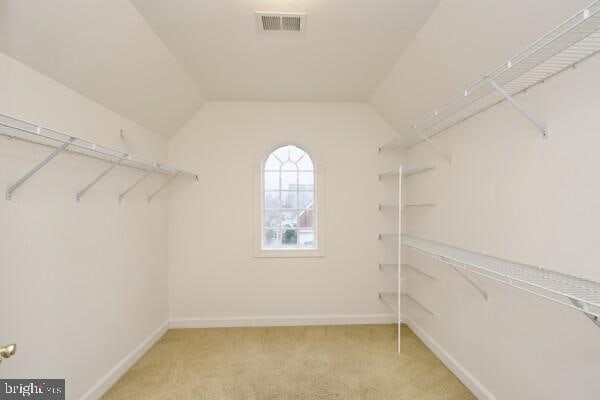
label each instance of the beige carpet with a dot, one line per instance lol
(299, 363)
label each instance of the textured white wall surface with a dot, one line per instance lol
(84, 283)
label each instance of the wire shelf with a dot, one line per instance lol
(391, 299)
(570, 43)
(26, 131)
(417, 205)
(581, 294)
(387, 207)
(405, 172)
(391, 268)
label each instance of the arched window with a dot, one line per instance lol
(288, 200)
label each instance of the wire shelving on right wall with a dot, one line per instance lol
(567, 45)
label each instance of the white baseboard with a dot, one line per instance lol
(301, 320)
(264, 321)
(453, 365)
(118, 370)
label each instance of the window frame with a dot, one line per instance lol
(318, 211)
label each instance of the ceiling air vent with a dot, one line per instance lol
(280, 22)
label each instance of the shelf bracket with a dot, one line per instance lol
(11, 189)
(433, 145)
(96, 180)
(164, 185)
(584, 309)
(464, 276)
(520, 108)
(130, 188)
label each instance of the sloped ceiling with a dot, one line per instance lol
(106, 51)
(461, 42)
(346, 51)
(156, 61)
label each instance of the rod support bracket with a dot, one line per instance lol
(583, 308)
(542, 127)
(458, 269)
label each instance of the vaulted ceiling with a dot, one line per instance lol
(157, 61)
(346, 51)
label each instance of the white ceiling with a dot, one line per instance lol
(461, 42)
(156, 61)
(345, 53)
(104, 50)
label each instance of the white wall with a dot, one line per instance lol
(510, 194)
(214, 275)
(82, 284)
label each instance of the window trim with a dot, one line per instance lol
(319, 210)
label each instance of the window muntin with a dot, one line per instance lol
(288, 200)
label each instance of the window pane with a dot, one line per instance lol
(289, 238)
(295, 153)
(288, 166)
(272, 200)
(289, 180)
(272, 163)
(307, 199)
(306, 238)
(305, 163)
(272, 219)
(271, 181)
(289, 200)
(272, 238)
(307, 180)
(289, 209)
(305, 219)
(289, 219)
(282, 153)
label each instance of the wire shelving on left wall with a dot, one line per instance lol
(61, 142)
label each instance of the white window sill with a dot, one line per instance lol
(289, 253)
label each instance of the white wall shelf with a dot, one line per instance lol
(580, 294)
(391, 268)
(18, 129)
(394, 207)
(417, 270)
(417, 205)
(387, 236)
(387, 207)
(418, 303)
(570, 43)
(405, 172)
(391, 299)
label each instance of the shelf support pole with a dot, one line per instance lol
(96, 180)
(520, 108)
(11, 189)
(583, 307)
(465, 277)
(130, 188)
(433, 145)
(164, 185)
